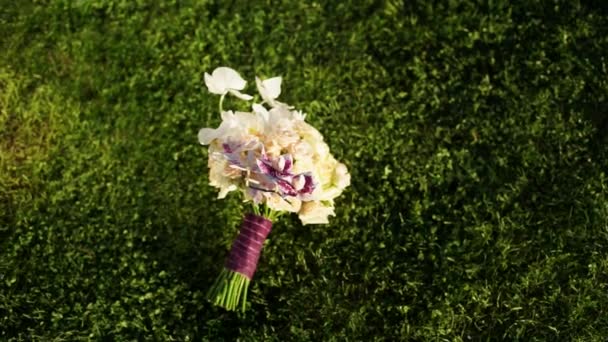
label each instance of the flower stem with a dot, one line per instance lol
(270, 214)
(229, 290)
(256, 209)
(221, 101)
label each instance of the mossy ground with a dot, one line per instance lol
(475, 133)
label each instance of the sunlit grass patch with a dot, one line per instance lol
(33, 119)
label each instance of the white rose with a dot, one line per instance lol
(276, 202)
(315, 212)
(307, 132)
(218, 177)
(341, 176)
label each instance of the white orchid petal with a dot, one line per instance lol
(261, 110)
(224, 190)
(262, 90)
(269, 89)
(229, 78)
(259, 85)
(240, 95)
(273, 86)
(214, 86)
(227, 115)
(206, 135)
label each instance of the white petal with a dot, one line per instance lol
(315, 213)
(259, 109)
(240, 95)
(260, 86)
(206, 135)
(298, 115)
(273, 87)
(269, 89)
(341, 169)
(281, 163)
(277, 203)
(342, 176)
(224, 190)
(214, 86)
(227, 115)
(228, 78)
(298, 182)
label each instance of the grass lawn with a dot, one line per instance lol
(475, 133)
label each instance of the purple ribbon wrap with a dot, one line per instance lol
(246, 248)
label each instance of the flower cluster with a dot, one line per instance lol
(271, 154)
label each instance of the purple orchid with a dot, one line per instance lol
(267, 174)
(278, 172)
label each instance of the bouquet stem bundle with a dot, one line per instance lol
(230, 288)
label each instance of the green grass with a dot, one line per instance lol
(475, 135)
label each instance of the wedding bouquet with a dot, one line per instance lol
(277, 161)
